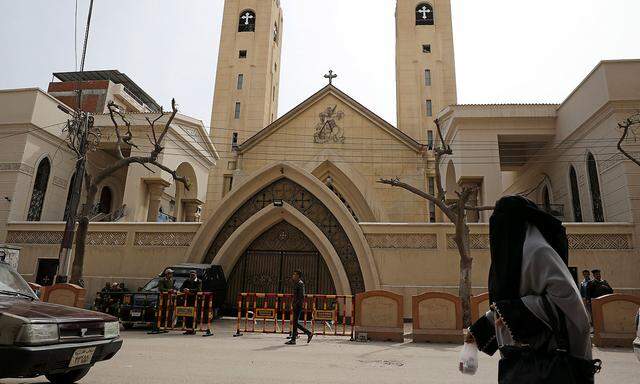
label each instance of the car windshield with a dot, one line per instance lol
(152, 286)
(11, 283)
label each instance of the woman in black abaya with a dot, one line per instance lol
(537, 318)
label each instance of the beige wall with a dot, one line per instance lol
(417, 258)
(116, 252)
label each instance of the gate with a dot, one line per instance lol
(269, 262)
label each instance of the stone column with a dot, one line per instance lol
(190, 209)
(156, 188)
(474, 199)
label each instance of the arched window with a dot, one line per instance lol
(247, 21)
(594, 185)
(39, 190)
(575, 195)
(106, 197)
(424, 14)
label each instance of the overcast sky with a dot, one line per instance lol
(506, 50)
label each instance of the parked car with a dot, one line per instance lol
(636, 342)
(139, 309)
(36, 338)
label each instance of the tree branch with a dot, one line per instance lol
(439, 203)
(625, 126)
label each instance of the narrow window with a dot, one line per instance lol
(106, 196)
(426, 48)
(275, 33)
(39, 190)
(546, 200)
(430, 139)
(429, 108)
(274, 93)
(424, 14)
(247, 21)
(242, 54)
(237, 113)
(427, 77)
(227, 184)
(575, 195)
(594, 184)
(432, 205)
(240, 81)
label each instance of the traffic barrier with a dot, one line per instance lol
(184, 312)
(273, 313)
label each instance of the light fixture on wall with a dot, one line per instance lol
(278, 203)
(7, 198)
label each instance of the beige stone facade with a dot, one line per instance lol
(317, 166)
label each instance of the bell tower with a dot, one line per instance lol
(245, 98)
(425, 66)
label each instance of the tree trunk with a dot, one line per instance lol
(81, 241)
(466, 262)
(81, 237)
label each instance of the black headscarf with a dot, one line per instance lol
(508, 228)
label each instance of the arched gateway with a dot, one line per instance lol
(280, 219)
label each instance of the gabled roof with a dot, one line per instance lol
(330, 89)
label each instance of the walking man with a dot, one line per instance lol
(298, 301)
(598, 287)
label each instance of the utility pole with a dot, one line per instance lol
(81, 125)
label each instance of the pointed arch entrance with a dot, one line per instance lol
(305, 207)
(249, 210)
(269, 261)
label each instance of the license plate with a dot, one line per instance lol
(136, 312)
(82, 357)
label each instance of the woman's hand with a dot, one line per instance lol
(468, 338)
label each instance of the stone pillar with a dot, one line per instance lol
(474, 199)
(190, 209)
(156, 188)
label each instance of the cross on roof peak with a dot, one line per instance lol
(330, 76)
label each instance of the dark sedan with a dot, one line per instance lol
(59, 342)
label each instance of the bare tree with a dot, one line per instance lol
(124, 139)
(629, 126)
(455, 211)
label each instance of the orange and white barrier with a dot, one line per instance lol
(185, 312)
(273, 313)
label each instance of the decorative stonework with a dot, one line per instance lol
(476, 241)
(34, 237)
(163, 239)
(600, 241)
(327, 130)
(106, 238)
(576, 241)
(406, 241)
(24, 168)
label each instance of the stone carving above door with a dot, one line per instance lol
(328, 130)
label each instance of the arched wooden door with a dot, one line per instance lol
(267, 264)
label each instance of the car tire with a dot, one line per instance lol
(68, 377)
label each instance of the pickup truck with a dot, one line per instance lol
(36, 338)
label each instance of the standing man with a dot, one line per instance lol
(166, 283)
(598, 287)
(298, 301)
(584, 285)
(190, 288)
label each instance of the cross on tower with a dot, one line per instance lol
(246, 17)
(425, 11)
(330, 76)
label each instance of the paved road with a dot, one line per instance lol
(263, 359)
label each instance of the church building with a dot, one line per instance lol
(301, 191)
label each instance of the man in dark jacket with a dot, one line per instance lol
(598, 287)
(191, 287)
(298, 302)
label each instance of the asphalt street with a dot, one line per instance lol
(264, 359)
